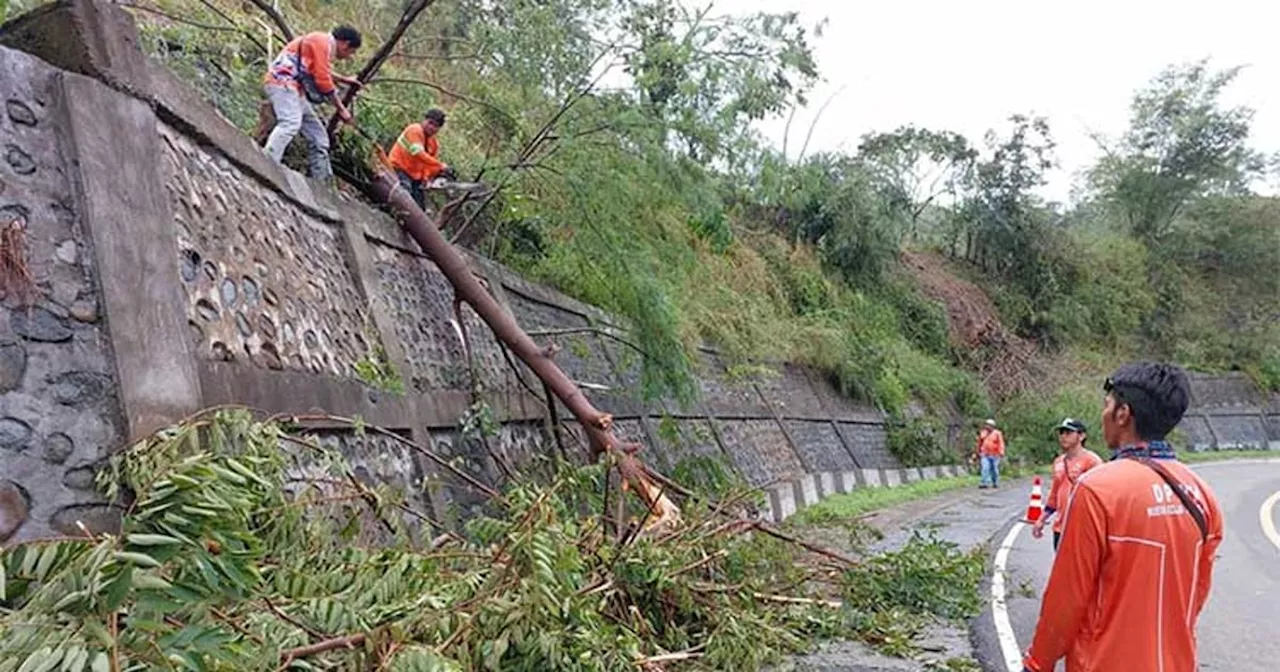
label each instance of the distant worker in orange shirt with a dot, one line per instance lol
(415, 156)
(990, 451)
(1134, 568)
(1067, 468)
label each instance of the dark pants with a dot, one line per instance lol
(1057, 537)
(414, 188)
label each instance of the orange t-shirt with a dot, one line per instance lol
(415, 154)
(1066, 473)
(991, 443)
(316, 51)
(1131, 575)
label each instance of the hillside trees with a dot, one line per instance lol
(914, 167)
(1180, 180)
(1181, 145)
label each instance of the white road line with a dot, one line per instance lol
(999, 610)
(1269, 523)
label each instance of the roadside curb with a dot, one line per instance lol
(787, 498)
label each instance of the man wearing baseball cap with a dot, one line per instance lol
(1067, 468)
(1138, 544)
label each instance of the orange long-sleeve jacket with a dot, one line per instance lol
(316, 51)
(1066, 473)
(1131, 575)
(415, 154)
(991, 443)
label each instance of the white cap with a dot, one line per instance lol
(991, 422)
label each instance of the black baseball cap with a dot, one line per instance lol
(1072, 425)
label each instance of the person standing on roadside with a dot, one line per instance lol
(1135, 564)
(1067, 468)
(990, 451)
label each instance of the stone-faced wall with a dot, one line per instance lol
(58, 407)
(182, 269)
(266, 283)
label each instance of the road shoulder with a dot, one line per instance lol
(965, 517)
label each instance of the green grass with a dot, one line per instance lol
(1220, 455)
(866, 500)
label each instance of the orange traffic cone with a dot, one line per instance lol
(1035, 508)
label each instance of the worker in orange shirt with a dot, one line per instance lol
(300, 76)
(415, 156)
(1067, 468)
(990, 451)
(1133, 571)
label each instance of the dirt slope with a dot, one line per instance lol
(1007, 363)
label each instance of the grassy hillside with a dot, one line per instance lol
(621, 134)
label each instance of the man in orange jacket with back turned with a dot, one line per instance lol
(415, 155)
(1134, 567)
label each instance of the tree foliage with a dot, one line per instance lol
(1181, 145)
(248, 547)
(913, 167)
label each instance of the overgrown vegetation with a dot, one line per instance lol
(376, 371)
(919, 442)
(621, 132)
(247, 547)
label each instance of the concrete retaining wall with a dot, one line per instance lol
(179, 268)
(1230, 412)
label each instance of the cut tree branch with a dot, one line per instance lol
(379, 57)
(276, 18)
(291, 620)
(589, 330)
(597, 425)
(445, 91)
(429, 57)
(227, 17)
(347, 642)
(186, 21)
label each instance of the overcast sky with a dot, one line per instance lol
(966, 65)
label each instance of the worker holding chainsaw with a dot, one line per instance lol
(302, 76)
(415, 156)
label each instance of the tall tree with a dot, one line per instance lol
(914, 167)
(1001, 225)
(706, 77)
(1182, 144)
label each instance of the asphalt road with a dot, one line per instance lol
(1238, 629)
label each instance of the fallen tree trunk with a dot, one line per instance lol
(598, 426)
